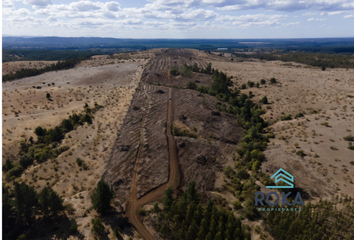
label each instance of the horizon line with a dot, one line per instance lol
(6, 35)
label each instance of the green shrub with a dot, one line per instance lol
(8, 165)
(97, 226)
(236, 205)
(185, 71)
(300, 153)
(351, 146)
(39, 131)
(26, 160)
(116, 231)
(271, 135)
(174, 71)
(264, 100)
(192, 85)
(183, 133)
(325, 124)
(286, 117)
(15, 171)
(81, 163)
(263, 81)
(73, 226)
(298, 115)
(349, 138)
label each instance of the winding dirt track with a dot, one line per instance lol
(134, 204)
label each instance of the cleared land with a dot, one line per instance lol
(140, 168)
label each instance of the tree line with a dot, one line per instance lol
(29, 72)
(184, 217)
(24, 208)
(312, 59)
(47, 144)
(9, 55)
(314, 222)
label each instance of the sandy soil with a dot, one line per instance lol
(322, 96)
(25, 108)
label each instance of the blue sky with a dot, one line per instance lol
(179, 19)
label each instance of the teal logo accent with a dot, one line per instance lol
(282, 175)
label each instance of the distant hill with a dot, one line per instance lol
(84, 43)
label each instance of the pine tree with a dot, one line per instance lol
(218, 236)
(56, 203)
(192, 195)
(209, 237)
(213, 227)
(156, 207)
(180, 234)
(101, 199)
(7, 210)
(201, 233)
(198, 215)
(164, 229)
(191, 233)
(26, 201)
(190, 213)
(220, 228)
(238, 234)
(97, 226)
(8, 165)
(73, 226)
(168, 199)
(44, 204)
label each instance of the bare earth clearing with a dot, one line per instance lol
(144, 160)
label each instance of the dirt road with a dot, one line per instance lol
(157, 194)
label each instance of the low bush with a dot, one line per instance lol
(286, 117)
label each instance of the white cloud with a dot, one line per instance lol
(333, 13)
(281, 5)
(52, 19)
(85, 6)
(43, 11)
(21, 12)
(112, 6)
(38, 3)
(309, 14)
(184, 15)
(349, 16)
(7, 4)
(291, 24)
(109, 15)
(316, 19)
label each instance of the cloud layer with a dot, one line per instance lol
(170, 16)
